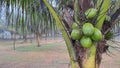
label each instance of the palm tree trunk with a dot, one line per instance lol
(25, 37)
(38, 38)
(90, 58)
(86, 58)
(14, 42)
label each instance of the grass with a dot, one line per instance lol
(34, 48)
(23, 53)
(10, 57)
(6, 43)
(61, 61)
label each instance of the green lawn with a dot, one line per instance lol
(34, 48)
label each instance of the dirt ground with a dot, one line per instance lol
(52, 54)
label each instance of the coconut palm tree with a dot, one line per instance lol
(80, 56)
(69, 12)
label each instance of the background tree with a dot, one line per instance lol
(29, 17)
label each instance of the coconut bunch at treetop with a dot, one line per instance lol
(88, 34)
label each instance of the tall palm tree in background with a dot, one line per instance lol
(39, 17)
(28, 17)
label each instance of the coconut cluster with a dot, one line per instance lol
(88, 34)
